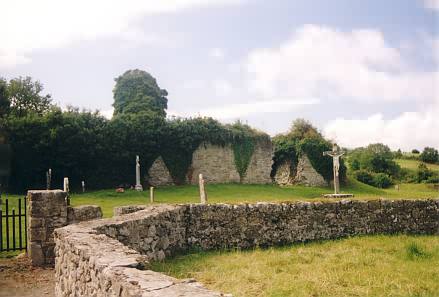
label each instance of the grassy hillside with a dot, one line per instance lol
(413, 164)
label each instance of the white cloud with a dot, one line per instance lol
(407, 131)
(222, 87)
(237, 111)
(216, 53)
(27, 25)
(431, 4)
(322, 62)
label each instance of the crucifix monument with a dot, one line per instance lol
(138, 186)
(336, 153)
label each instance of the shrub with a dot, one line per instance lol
(382, 180)
(415, 151)
(423, 173)
(364, 176)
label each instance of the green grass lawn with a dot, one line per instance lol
(359, 266)
(235, 193)
(413, 164)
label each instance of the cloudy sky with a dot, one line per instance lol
(362, 71)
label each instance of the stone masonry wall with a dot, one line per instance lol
(259, 168)
(305, 174)
(110, 257)
(158, 174)
(92, 264)
(217, 164)
(47, 211)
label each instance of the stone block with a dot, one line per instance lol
(35, 252)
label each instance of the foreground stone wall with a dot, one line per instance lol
(217, 164)
(92, 264)
(110, 257)
(47, 211)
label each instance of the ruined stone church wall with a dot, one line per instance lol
(217, 164)
(304, 174)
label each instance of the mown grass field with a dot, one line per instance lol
(234, 193)
(359, 266)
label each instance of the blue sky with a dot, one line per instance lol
(362, 71)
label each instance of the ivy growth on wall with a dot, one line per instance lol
(304, 139)
(181, 137)
(243, 151)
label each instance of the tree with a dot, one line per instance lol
(429, 155)
(25, 97)
(376, 158)
(136, 91)
(301, 129)
(415, 151)
(4, 100)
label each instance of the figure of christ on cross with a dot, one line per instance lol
(336, 153)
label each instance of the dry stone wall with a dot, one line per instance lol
(217, 164)
(111, 257)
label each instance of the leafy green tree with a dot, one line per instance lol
(429, 155)
(25, 96)
(4, 99)
(301, 129)
(376, 158)
(137, 91)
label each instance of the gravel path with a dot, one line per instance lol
(19, 279)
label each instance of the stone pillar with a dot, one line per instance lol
(47, 211)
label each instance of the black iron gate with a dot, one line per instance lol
(13, 224)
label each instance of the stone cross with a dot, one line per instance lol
(336, 153)
(203, 195)
(138, 186)
(48, 178)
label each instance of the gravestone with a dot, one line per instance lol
(138, 186)
(48, 178)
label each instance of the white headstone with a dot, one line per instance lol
(151, 194)
(66, 184)
(138, 184)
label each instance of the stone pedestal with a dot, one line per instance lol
(47, 211)
(338, 195)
